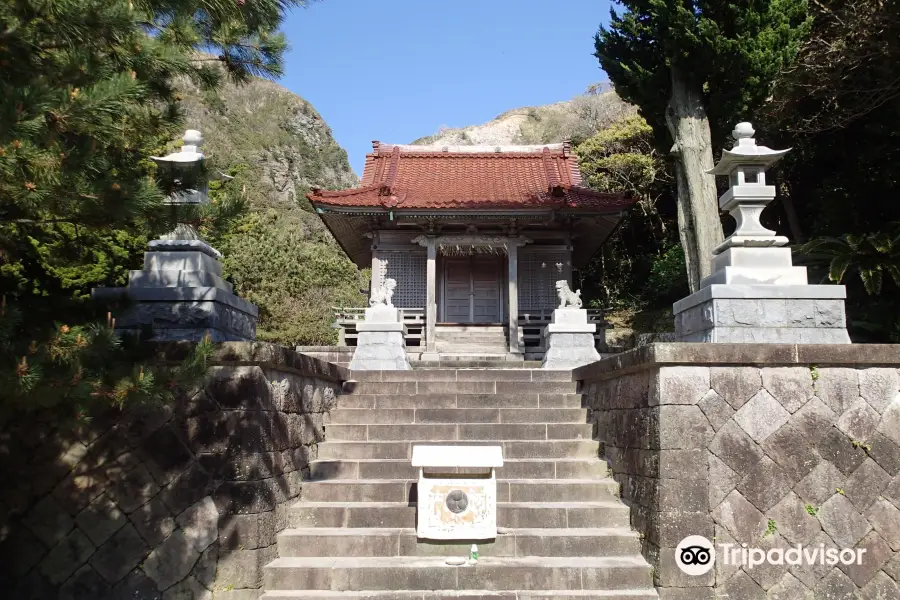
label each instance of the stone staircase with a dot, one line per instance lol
(563, 531)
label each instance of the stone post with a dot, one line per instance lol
(431, 297)
(570, 338)
(755, 294)
(512, 252)
(379, 343)
(180, 293)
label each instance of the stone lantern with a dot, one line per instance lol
(752, 254)
(755, 293)
(185, 171)
(180, 293)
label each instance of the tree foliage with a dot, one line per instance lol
(690, 66)
(731, 51)
(293, 269)
(80, 369)
(622, 157)
(88, 91)
(838, 108)
(871, 256)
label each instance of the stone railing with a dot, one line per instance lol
(768, 445)
(172, 501)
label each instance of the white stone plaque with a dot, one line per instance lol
(457, 506)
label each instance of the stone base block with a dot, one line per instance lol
(754, 276)
(809, 314)
(569, 316)
(380, 351)
(181, 260)
(177, 279)
(569, 350)
(374, 327)
(768, 335)
(381, 313)
(190, 320)
(193, 245)
(566, 328)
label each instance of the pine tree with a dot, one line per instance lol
(88, 91)
(690, 64)
(79, 370)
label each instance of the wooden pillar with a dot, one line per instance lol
(512, 252)
(430, 295)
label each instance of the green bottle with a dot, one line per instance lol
(473, 553)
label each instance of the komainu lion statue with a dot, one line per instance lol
(566, 296)
(384, 293)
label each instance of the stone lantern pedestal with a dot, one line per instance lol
(570, 340)
(180, 293)
(755, 294)
(379, 345)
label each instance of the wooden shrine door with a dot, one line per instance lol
(472, 289)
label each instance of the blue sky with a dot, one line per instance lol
(397, 70)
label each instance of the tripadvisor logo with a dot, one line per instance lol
(696, 555)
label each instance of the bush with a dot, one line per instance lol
(289, 265)
(668, 277)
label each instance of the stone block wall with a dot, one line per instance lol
(164, 502)
(768, 445)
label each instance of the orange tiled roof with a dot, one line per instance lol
(420, 177)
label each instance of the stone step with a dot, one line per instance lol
(474, 335)
(442, 328)
(322, 541)
(515, 449)
(461, 431)
(461, 401)
(512, 469)
(497, 362)
(475, 344)
(480, 342)
(550, 515)
(464, 374)
(510, 490)
(399, 416)
(476, 358)
(431, 573)
(464, 387)
(632, 594)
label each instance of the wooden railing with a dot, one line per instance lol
(346, 318)
(531, 325)
(533, 322)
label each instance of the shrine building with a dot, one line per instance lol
(476, 237)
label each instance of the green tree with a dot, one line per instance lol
(838, 107)
(622, 157)
(690, 64)
(296, 277)
(88, 91)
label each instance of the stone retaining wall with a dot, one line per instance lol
(175, 502)
(769, 445)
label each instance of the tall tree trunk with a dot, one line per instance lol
(698, 208)
(787, 201)
(686, 233)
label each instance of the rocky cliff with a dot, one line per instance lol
(575, 119)
(279, 255)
